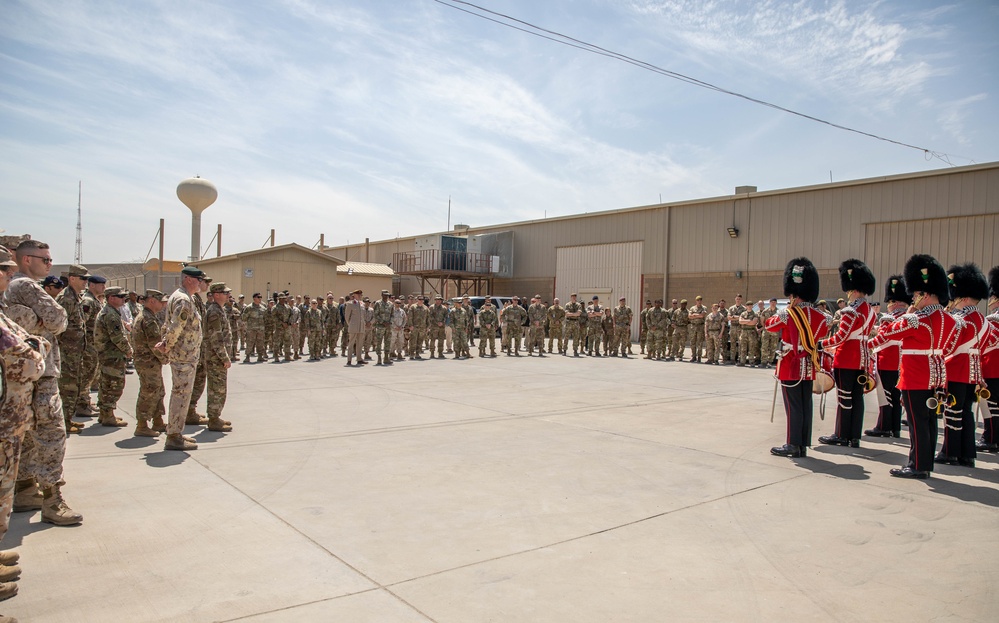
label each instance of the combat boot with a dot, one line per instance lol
(9, 557)
(219, 425)
(158, 424)
(179, 442)
(7, 590)
(195, 418)
(9, 573)
(73, 428)
(27, 497)
(56, 511)
(108, 418)
(142, 429)
(379, 360)
(86, 411)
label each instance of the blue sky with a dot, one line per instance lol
(360, 118)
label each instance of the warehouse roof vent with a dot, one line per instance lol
(744, 190)
(459, 228)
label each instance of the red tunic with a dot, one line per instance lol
(965, 364)
(928, 336)
(856, 321)
(990, 350)
(889, 354)
(795, 363)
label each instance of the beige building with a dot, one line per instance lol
(721, 246)
(369, 278)
(290, 267)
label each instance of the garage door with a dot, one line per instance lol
(608, 270)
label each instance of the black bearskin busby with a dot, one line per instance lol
(855, 275)
(895, 290)
(801, 279)
(967, 280)
(994, 281)
(923, 273)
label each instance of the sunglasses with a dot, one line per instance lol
(45, 260)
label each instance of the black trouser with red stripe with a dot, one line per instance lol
(922, 428)
(798, 408)
(991, 413)
(850, 404)
(890, 415)
(959, 422)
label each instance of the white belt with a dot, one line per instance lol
(926, 351)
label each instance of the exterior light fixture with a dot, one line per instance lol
(733, 232)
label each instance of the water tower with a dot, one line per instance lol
(197, 194)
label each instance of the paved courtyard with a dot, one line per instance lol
(506, 489)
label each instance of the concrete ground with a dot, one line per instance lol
(506, 489)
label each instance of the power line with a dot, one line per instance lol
(579, 44)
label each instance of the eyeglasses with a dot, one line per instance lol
(45, 260)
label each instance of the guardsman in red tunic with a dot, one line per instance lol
(800, 326)
(964, 367)
(888, 355)
(928, 335)
(990, 370)
(851, 360)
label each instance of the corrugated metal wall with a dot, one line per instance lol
(612, 270)
(952, 241)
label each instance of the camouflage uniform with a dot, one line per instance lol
(768, 339)
(623, 317)
(295, 330)
(91, 307)
(681, 329)
(461, 320)
(182, 336)
(437, 316)
(369, 329)
(594, 328)
(670, 330)
(255, 318)
(734, 330)
(573, 326)
(314, 324)
(656, 319)
(235, 319)
(240, 328)
(697, 331)
(22, 366)
(382, 323)
(399, 341)
(149, 406)
(201, 372)
(536, 315)
(556, 323)
(488, 323)
(610, 336)
(72, 344)
(714, 326)
(113, 350)
(748, 338)
(513, 324)
(333, 327)
(643, 328)
(217, 342)
(269, 324)
(417, 318)
(282, 331)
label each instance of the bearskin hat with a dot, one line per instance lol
(923, 273)
(801, 279)
(967, 280)
(855, 275)
(994, 281)
(895, 290)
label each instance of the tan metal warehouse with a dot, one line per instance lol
(369, 278)
(683, 249)
(290, 267)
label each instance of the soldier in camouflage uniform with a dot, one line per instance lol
(714, 334)
(488, 323)
(536, 315)
(314, 324)
(461, 322)
(513, 325)
(254, 318)
(146, 332)
(218, 340)
(181, 343)
(623, 317)
(436, 320)
(556, 326)
(734, 328)
(656, 320)
(696, 315)
(282, 329)
(671, 329)
(92, 302)
(681, 330)
(417, 317)
(44, 445)
(594, 326)
(269, 325)
(381, 320)
(574, 319)
(22, 363)
(369, 328)
(201, 373)
(113, 350)
(72, 344)
(399, 321)
(240, 328)
(769, 340)
(295, 329)
(749, 322)
(610, 336)
(332, 325)
(234, 315)
(643, 328)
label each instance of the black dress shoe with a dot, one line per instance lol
(944, 459)
(786, 450)
(966, 462)
(833, 440)
(983, 446)
(854, 443)
(896, 434)
(877, 432)
(802, 451)
(908, 472)
(905, 422)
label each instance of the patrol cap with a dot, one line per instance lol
(155, 294)
(115, 291)
(52, 280)
(96, 279)
(698, 298)
(465, 298)
(357, 291)
(242, 296)
(683, 301)
(621, 299)
(838, 301)
(75, 270)
(516, 298)
(773, 299)
(385, 293)
(6, 257)
(207, 279)
(573, 294)
(366, 300)
(219, 288)
(595, 298)
(398, 301)
(438, 298)
(192, 271)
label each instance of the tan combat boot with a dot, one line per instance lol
(27, 497)
(9, 573)
(9, 557)
(219, 425)
(108, 418)
(7, 590)
(179, 442)
(142, 430)
(85, 411)
(158, 424)
(195, 418)
(56, 511)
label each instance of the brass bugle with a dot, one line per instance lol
(983, 393)
(933, 403)
(863, 379)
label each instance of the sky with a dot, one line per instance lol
(365, 118)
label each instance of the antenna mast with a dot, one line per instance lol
(78, 255)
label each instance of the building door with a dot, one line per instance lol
(608, 270)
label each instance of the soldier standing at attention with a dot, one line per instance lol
(200, 374)
(513, 325)
(460, 321)
(382, 323)
(671, 328)
(240, 328)
(749, 321)
(436, 320)
(235, 318)
(113, 350)
(218, 359)
(536, 315)
(610, 342)
(696, 316)
(723, 310)
(181, 343)
(419, 318)
(72, 344)
(254, 317)
(714, 333)
(643, 329)
(295, 328)
(369, 328)
(734, 330)
(888, 356)
(556, 322)
(333, 325)
(573, 319)
(269, 329)
(768, 339)
(594, 326)
(149, 365)
(353, 314)
(681, 324)
(92, 301)
(399, 321)
(282, 329)
(488, 323)
(990, 370)
(314, 323)
(623, 317)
